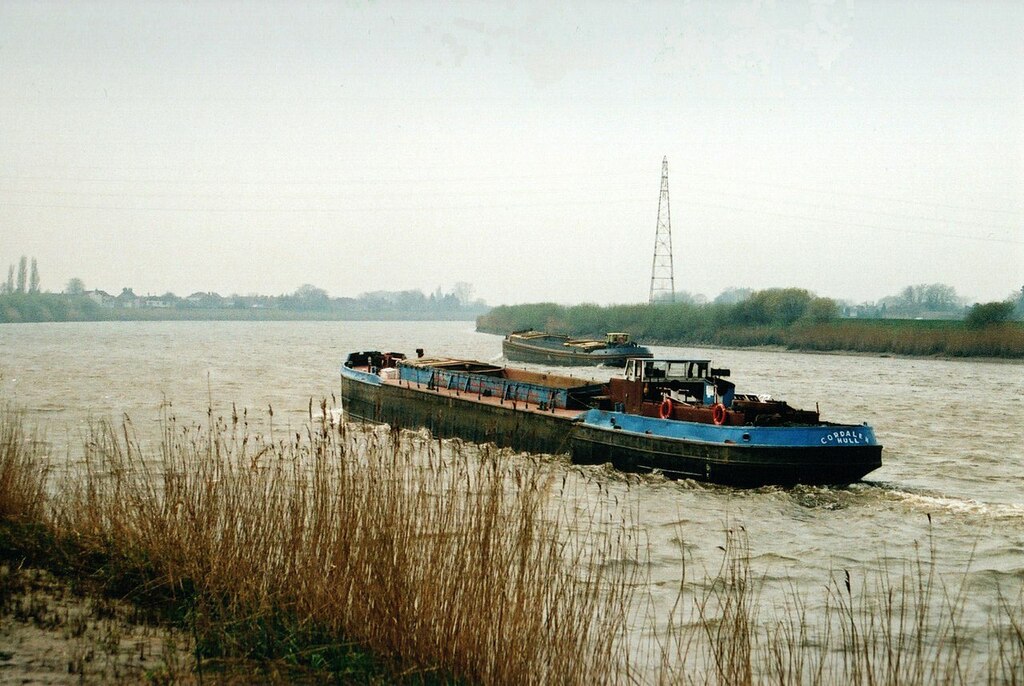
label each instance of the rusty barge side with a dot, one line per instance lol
(458, 399)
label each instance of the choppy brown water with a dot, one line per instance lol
(953, 433)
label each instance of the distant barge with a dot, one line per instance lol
(679, 417)
(546, 348)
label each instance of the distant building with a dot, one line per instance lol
(101, 298)
(127, 298)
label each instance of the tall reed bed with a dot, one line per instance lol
(909, 338)
(441, 560)
(22, 472)
(360, 551)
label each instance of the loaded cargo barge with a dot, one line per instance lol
(679, 417)
(475, 401)
(545, 348)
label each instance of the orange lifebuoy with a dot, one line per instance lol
(718, 413)
(665, 409)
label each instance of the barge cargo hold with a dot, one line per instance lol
(474, 401)
(678, 417)
(545, 348)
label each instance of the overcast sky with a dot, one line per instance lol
(850, 148)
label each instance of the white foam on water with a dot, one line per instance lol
(954, 505)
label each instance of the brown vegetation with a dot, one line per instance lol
(947, 339)
(371, 556)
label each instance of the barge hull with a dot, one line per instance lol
(509, 425)
(539, 355)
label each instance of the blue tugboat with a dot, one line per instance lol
(683, 418)
(546, 348)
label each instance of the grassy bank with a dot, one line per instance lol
(370, 556)
(716, 325)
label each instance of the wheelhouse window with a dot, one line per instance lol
(656, 370)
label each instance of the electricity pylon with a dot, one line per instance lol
(663, 288)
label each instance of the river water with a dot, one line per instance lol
(953, 431)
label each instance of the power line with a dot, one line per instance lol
(895, 215)
(863, 225)
(852, 194)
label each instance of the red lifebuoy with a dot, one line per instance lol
(718, 413)
(665, 409)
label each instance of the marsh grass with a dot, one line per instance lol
(378, 556)
(909, 337)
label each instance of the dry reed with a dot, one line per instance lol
(23, 472)
(445, 561)
(435, 563)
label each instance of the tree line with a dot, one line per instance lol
(27, 279)
(926, 301)
(22, 300)
(664, 322)
(788, 317)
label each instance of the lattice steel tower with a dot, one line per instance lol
(663, 288)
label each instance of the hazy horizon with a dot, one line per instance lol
(849, 148)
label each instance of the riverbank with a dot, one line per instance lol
(101, 314)
(54, 632)
(323, 554)
(846, 353)
(688, 325)
(357, 554)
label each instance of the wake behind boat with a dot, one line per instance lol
(679, 417)
(546, 348)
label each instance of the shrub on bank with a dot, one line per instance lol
(988, 314)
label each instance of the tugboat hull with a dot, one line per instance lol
(826, 455)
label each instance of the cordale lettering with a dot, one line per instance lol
(844, 437)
